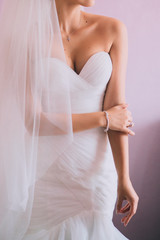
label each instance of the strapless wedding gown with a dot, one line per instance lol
(76, 197)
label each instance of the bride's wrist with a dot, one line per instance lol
(123, 179)
(102, 119)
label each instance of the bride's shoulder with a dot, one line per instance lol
(107, 25)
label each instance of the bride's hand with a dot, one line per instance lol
(120, 118)
(126, 191)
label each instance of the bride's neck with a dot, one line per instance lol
(68, 15)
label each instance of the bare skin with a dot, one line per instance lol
(100, 33)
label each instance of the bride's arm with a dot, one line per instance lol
(115, 94)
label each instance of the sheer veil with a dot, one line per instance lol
(35, 107)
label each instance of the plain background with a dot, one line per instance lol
(142, 19)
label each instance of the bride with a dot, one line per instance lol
(64, 151)
(83, 35)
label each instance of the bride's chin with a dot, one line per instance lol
(87, 3)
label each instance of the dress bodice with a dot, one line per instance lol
(87, 88)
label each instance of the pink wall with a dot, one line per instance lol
(142, 19)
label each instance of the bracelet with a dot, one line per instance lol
(107, 118)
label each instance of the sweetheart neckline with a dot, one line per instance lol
(93, 55)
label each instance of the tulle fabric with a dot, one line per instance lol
(35, 108)
(87, 225)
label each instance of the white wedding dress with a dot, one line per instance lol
(76, 197)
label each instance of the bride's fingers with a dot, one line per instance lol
(119, 205)
(126, 206)
(123, 105)
(128, 131)
(130, 124)
(123, 219)
(130, 119)
(125, 210)
(131, 213)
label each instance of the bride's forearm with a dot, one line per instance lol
(80, 122)
(119, 145)
(85, 121)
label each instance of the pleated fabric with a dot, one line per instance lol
(75, 198)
